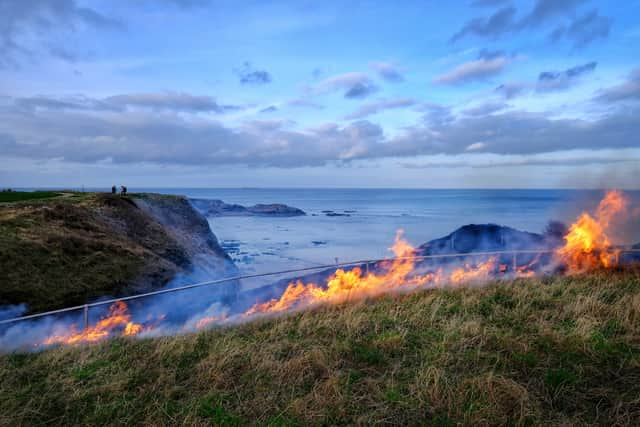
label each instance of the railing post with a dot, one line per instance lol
(86, 316)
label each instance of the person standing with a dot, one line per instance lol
(113, 189)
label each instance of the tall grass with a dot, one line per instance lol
(551, 351)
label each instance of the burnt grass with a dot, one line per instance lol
(546, 351)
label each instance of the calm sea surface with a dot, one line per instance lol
(260, 244)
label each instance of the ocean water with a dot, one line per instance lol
(266, 244)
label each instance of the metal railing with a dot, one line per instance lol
(85, 307)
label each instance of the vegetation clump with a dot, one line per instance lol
(545, 351)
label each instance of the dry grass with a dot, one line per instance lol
(553, 351)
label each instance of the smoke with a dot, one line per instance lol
(222, 304)
(12, 310)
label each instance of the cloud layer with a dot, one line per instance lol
(170, 130)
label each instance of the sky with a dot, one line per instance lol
(407, 94)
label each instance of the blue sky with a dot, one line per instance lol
(198, 93)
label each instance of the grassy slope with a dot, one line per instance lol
(17, 196)
(67, 250)
(541, 351)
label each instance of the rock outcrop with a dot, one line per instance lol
(485, 238)
(217, 208)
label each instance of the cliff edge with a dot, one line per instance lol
(70, 250)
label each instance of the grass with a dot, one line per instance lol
(67, 250)
(19, 196)
(550, 351)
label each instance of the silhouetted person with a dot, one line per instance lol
(113, 189)
(123, 190)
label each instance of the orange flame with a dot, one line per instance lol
(210, 320)
(587, 245)
(397, 274)
(116, 320)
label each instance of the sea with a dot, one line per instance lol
(345, 225)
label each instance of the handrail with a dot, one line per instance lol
(275, 273)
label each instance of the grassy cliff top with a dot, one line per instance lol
(551, 351)
(67, 248)
(19, 196)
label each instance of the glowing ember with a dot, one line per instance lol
(116, 320)
(587, 245)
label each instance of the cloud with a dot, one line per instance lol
(388, 71)
(375, 107)
(161, 101)
(520, 161)
(480, 69)
(476, 146)
(172, 101)
(269, 109)
(168, 139)
(485, 109)
(559, 80)
(581, 30)
(353, 85)
(545, 10)
(144, 136)
(498, 23)
(25, 26)
(518, 132)
(305, 102)
(511, 90)
(629, 90)
(249, 75)
(584, 30)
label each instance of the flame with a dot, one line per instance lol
(526, 270)
(587, 245)
(118, 319)
(210, 320)
(397, 274)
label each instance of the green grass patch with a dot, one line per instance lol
(19, 196)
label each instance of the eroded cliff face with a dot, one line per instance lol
(68, 251)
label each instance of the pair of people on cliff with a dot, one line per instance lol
(123, 190)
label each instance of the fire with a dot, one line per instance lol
(397, 274)
(470, 272)
(587, 245)
(118, 319)
(527, 269)
(210, 320)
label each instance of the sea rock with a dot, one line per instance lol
(218, 208)
(487, 237)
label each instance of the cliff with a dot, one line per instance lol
(75, 248)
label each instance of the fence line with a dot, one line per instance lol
(85, 307)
